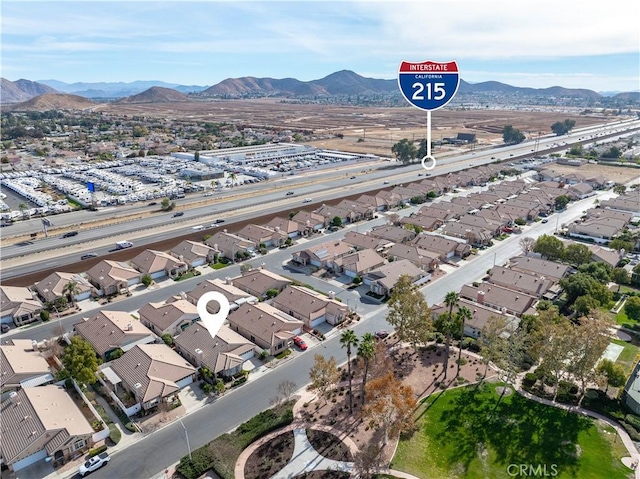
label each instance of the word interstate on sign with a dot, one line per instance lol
(431, 67)
(213, 322)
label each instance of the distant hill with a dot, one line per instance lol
(156, 94)
(116, 89)
(21, 90)
(52, 101)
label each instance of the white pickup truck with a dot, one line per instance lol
(93, 464)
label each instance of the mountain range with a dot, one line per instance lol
(342, 83)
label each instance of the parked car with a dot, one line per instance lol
(545, 220)
(70, 234)
(382, 334)
(94, 463)
(88, 256)
(4, 328)
(298, 341)
(179, 213)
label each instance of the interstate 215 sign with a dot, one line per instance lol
(428, 85)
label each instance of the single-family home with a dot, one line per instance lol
(358, 263)
(364, 241)
(229, 245)
(580, 191)
(382, 280)
(539, 267)
(422, 258)
(310, 221)
(152, 373)
(234, 295)
(18, 305)
(605, 255)
(361, 211)
(522, 281)
(260, 282)
(224, 354)
(474, 235)
(158, 264)
(599, 229)
(107, 331)
(393, 234)
(445, 247)
(628, 203)
(264, 325)
(329, 212)
(257, 234)
(424, 222)
(22, 365)
(42, 423)
(322, 255)
(113, 277)
(376, 202)
(193, 253)
(59, 284)
(503, 299)
(309, 306)
(291, 228)
(170, 318)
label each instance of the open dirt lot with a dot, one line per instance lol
(614, 173)
(364, 129)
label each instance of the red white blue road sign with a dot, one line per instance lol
(428, 85)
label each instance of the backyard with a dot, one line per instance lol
(470, 433)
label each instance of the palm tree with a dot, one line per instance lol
(447, 324)
(232, 177)
(347, 340)
(464, 314)
(367, 351)
(451, 299)
(71, 289)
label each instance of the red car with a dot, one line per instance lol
(298, 341)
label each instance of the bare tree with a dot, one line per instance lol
(324, 375)
(285, 392)
(527, 244)
(368, 460)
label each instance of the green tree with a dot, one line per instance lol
(408, 312)
(598, 271)
(336, 221)
(348, 339)
(620, 276)
(582, 284)
(71, 289)
(577, 254)
(563, 127)
(612, 373)
(512, 136)
(367, 353)
(81, 361)
(405, 151)
(583, 305)
(550, 247)
(464, 314)
(146, 279)
(613, 152)
(167, 205)
(168, 339)
(556, 350)
(619, 244)
(561, 202)
(632, 307)
(619, 189)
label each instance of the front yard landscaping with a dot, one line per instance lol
(470, 433)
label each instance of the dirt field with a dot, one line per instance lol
(364, 129)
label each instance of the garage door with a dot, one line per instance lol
(185, 382)
(27, 461)
(318, 321)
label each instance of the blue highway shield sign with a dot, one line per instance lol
(428, 85)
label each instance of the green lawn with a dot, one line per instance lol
(468, 433)
(627, 357)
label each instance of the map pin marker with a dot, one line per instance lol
(213, 322)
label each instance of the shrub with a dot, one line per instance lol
(131, 427)
(461, 361)
(168, 339)
(44, 315)
(114, 434)
(633, 420)
(633, 434)
(529, 380)
(200, 462)
(97, 450)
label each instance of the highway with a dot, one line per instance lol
(23, 258)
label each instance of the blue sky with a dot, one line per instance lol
(529, 43)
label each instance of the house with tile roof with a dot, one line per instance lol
(53, 286)
(361, 211)
(224, 355)
(446, 248)
(522, 281)
(193, 253)
(22, 365)
(257, 282)
(18, 305)
(382, 280)
(107, 331)
(234, 295)
(474, 235)
(502, 299)
(291, 228)
(257, 234)
(309, 306)
(424, 222)
(168, 318)
(423, 259)
(322, 255)
(393, 234)
(310, 220)
(159, 264)
(539, 267)
(152, 373)
(363, 241)
(266, 326)
(480, 317)
(40, 423)
(112, 277)
(358, 263)
(230, 245)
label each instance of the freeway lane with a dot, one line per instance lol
(155, 452)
